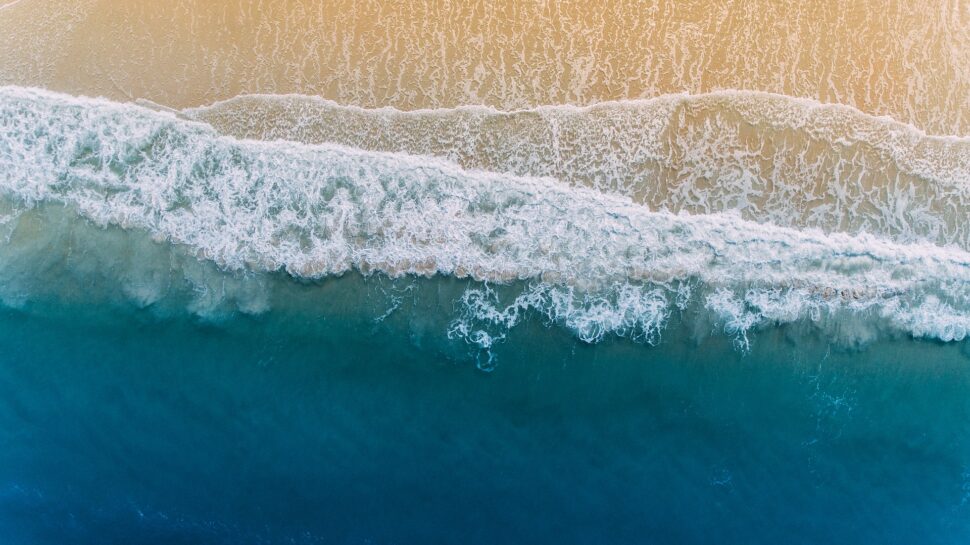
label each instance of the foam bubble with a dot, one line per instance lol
(594, 262)
(777, 159)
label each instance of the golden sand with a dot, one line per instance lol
(899, 58)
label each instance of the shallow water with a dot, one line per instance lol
(593, 261)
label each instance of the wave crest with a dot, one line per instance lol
(597, 263)
(777, 159)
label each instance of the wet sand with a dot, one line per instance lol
(885, 57)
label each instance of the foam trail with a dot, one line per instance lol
(10, 3)
(594, 262)
(790, 162)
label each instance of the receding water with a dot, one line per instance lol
(327, 424)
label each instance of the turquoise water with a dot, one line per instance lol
(324, 426)
(213, 340)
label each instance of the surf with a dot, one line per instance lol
(777, 159)
(595, 262)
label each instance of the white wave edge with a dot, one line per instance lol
(776, 159)
(809, 104)
(598, 263)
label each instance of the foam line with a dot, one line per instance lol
(596, 262)
(777, 159)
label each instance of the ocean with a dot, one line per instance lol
(318, 425)
(288, 301)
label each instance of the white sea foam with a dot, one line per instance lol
(787, 161)
(594, 262)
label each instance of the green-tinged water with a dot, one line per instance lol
(207, 340)
(323, 423)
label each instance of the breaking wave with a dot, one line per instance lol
(594, 261)
(790, 162)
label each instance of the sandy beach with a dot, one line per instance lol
(902, 59)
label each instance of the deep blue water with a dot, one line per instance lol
(316, 423)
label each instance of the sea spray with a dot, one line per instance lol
(606, 264)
